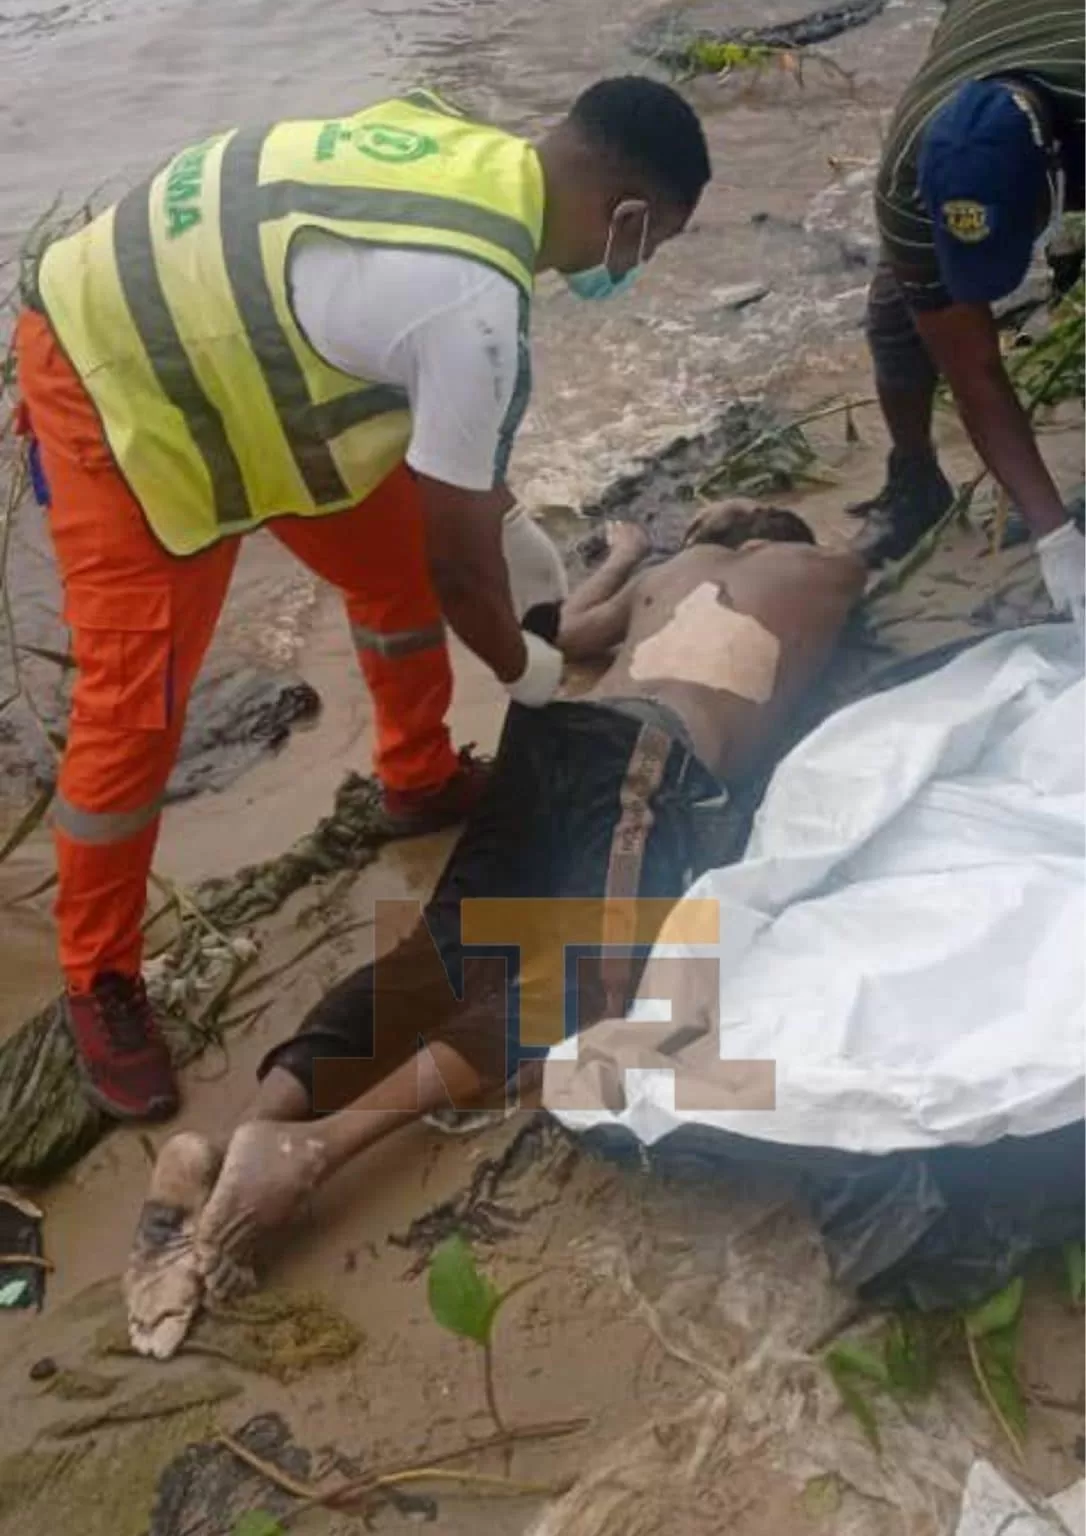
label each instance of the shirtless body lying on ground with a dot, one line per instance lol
(590, 797)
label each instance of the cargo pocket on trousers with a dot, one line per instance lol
(122, 644)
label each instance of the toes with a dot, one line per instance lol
(226, 1275)
(163, 1339)
(162, 1297)
(163, 1285)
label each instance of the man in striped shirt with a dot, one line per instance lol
(984, 152)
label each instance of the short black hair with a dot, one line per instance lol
(652, 130)
(741, 524)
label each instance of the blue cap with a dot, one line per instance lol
(981, 174)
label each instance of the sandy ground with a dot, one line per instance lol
(678, 1319)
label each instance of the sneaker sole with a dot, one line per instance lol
(158, 1109)
(471, 1123)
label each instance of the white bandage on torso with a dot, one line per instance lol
(536, 572)
(712, 646)
(539, 681)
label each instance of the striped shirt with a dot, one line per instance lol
(1041, 43)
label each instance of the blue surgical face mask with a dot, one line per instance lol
(598, 282)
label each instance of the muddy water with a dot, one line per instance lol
(99, 91)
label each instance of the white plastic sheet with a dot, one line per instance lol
(904, 937)
(991, 1507)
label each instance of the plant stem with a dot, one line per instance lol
(730, 460)
(989, 1397)
(488, 1386)
(358, 1488)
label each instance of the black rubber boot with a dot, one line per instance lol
(916, 495)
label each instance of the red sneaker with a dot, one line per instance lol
(120, 1052)
(411, 812)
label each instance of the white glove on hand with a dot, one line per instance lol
(1062, 554)
(536, 572)
(538, 683)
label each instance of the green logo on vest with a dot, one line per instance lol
(394, 146)
(184, 186)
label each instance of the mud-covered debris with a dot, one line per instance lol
(540, 1146)
(237, 714)
(206, 1489)
(160, 1401)
(739, 296)
(273, 1333)
(79, 1385)
(766, 452)
(673, 40)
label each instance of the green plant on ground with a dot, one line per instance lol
(903, 1361)
(256, 1523)
(467, 1303)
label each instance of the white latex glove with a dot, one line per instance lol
(536, 572)
(1062, 554)
(538, 683)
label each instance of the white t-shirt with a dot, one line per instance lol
(449, 331)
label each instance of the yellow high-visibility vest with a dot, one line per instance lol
(174, 308)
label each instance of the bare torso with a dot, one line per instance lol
(729, 639)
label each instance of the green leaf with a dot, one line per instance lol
(845, 1380)
(256, 1523)
(851, 1359)
(910, 1351)
(998, 1312)
(1074, 1258)
(461, 1299)
(822, 1496)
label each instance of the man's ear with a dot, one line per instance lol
(716, 518)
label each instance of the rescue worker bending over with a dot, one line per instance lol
(321, 327)
(984, 153)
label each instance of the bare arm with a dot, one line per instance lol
(464, 545)
(964, 344)
(596, 617)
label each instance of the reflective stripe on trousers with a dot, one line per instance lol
(99, 827)
(402, 642)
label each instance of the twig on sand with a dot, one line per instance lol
(35, 1260)
(435, 1470)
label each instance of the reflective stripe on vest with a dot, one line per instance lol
(174, 307)
(402, 642)
(100, 827)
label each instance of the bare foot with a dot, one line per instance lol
(163, 1286)
(269, 1171)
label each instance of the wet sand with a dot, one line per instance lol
(678, 1318)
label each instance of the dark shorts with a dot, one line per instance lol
(901, 359)
(584, 801)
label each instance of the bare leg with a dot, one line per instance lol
(908, 414)
(163, 1284)
(272, 1167)
(279, 1097)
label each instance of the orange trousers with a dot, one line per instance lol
(141, 621)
